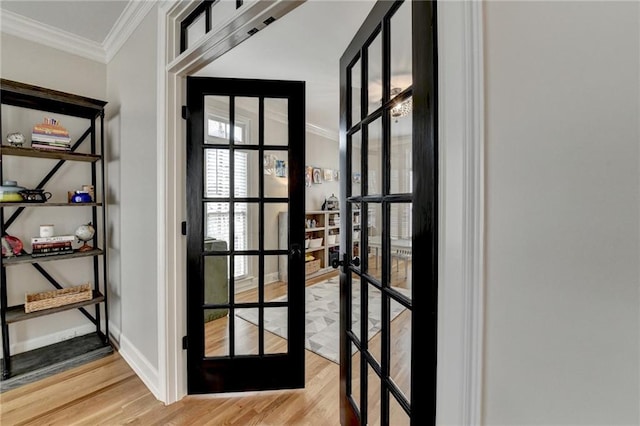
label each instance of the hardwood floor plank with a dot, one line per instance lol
(107, 392)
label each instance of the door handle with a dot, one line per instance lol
(295, 252)
(336, 263)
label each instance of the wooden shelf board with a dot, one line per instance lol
(27, 367)
(47, 204)
(43, 153)
(29, 259)
(313, 229)
(310, 249)
(17, 313)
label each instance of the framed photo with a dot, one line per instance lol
(336, 175)
(281, 168)
(356, 177)
(317, 177)
(308, 176)
(328, 174)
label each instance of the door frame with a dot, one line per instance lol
(461, 198)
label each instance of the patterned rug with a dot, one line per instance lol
(323, 317)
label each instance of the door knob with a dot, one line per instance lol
(295, 252)
(335, 263)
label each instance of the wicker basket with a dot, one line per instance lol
(52, 299)
(312, 266)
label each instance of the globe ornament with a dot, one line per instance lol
(85, 233)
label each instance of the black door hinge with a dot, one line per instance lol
(184, 228)
(184, 342)
(185, 112)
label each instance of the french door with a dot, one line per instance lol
(388, 154)
(245, 229)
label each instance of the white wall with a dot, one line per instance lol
(562, 213)
(31, 63)
(321, 152)
(131, 124)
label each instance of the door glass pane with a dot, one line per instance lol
(275, 174)
(271, 275)
(355, 375)
(216, 333)
(275, 288)
(400, 233)
(216, 281)
(245, 226)
(217, 173)
(196, 30)
(246, 121)
(401, 154)
(374, 70)
(275, 324)
(400, 351)
(221, 11)
(401, 74)
(374, 231)
(276, 226)
(374, 396)
(216, 123)
(356, 284)
(374, 158)
(356, 93)
(245, 283)
(246, 173)
(356, 164)
(355, 236)
(246, 331)
(216, 222)
(397, 415)
(276, 121)
(374, 322)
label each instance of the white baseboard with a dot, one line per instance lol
(138, 363)
(50, 339)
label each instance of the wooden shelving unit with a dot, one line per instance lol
(28, 366)
(327, 223)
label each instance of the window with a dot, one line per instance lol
(218, 185)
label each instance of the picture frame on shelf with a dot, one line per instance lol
(281, 168)
(328, 175)
(317, 176)
(308, 176)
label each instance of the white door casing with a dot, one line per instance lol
(461, 194)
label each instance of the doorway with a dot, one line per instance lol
(298, 47)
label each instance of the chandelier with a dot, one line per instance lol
(401, 109)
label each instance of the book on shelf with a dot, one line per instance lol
(47, 246)
(50, 147)
(52, 252)
(53, 239)
(50, 139)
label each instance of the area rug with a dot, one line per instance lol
(322, 317)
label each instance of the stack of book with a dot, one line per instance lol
(48, 246)
(50, 135)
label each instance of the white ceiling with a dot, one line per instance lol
(306, 44)
(89, 19)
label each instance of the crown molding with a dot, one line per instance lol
(322, 131)
(37, 32)
(131, 17)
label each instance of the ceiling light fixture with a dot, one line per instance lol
(401, 109)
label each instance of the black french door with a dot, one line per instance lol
(388, 154)
(245, 209)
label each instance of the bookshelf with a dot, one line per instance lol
(25, 367)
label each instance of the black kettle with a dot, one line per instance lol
(35, 195)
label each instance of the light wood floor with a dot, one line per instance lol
(107, 392)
